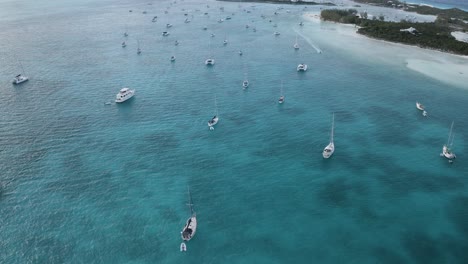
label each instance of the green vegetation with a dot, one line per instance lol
(434, 35)
(298, 2)
(452, 13)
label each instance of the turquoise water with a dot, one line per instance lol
(86, 182)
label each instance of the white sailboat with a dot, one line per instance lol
(296, 46)
(281, 98)
(245, 83)
(330, 148)
(210, 61)
(213, 121)
(420, 106)
(188, 232)
(20, 78)
(447, 148)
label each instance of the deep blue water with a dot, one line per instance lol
(86, 182)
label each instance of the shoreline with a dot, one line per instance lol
(280, 2)
(447, 68)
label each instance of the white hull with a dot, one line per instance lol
(419, 106)
(20, 79)
(302, 67)
(188, 232)
(328, 150)
(213, 121)
(245, 84)
(281, 100)
(210, 62)
(446, 152)
(124, 95)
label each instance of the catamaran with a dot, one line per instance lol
(330, 148)
(188, 232)
(302, 67)
(446, 149)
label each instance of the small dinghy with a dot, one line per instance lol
(183, 247)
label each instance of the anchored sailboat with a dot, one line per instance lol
(20, 78)
(330, 148)
(188, 232)
(281, 99)
(296, 46)
(447, 148)
(213, 121)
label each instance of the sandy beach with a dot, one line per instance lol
(447, 68)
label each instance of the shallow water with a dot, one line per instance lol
(86, 182)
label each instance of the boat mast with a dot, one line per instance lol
(190, 201)
(450, 134)
(333, 128)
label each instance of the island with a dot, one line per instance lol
(434, 35)
(292, 2)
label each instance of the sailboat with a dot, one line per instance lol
(446, 149)
(245, 83)
(125, 33)
(296, 46)
(420, 106)
(138, 50)
(281, 99)
(20, 78)
(210, 61)
(188, 232)
(330, 148)
(213, 121)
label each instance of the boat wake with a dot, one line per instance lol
(317, 49)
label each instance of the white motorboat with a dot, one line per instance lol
(168, 25)
(301, 24)
(240, 52)
(20, 79)
(190, 228)
(302, 67)
(124, 94)
(225, 42)
(276, 33)
(330, 148)
(419, 106)
(165, 33)
(124, 44)
(447, 148)
(212, 35)
(172, 58)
